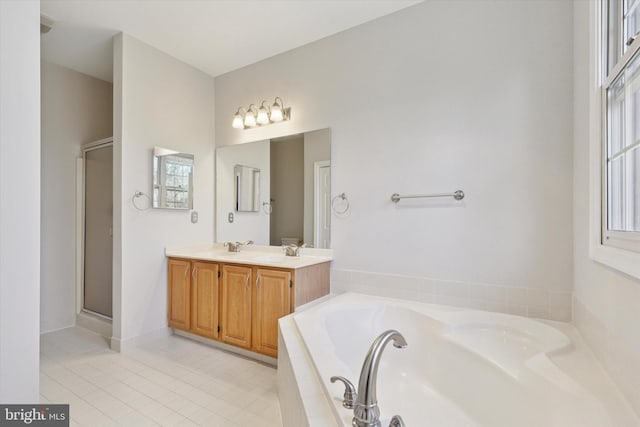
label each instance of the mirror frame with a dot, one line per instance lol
(160, 185)
(225, 209)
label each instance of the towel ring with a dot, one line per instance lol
(138, 194)
(342, 197)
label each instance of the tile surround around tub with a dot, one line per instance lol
(616, 356)
(528, 302)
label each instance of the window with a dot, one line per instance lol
(621, 136)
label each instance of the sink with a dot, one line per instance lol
(210, 254)
(245, 257)
(270, 258)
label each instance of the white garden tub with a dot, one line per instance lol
(461, 367)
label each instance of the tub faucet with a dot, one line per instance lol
(397, 421)
(366, 412)
(235, 247)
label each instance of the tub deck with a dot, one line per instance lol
(461, 368)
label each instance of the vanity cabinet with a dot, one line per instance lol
(235, 310)
(239, 304)
(272, 300)
(205, 299)
(193, 297)
(179, 293)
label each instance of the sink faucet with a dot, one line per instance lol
(366, 412)
(293, 250)
(235, 247)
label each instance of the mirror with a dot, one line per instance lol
(290, 201)
(247, 188)
(172, 179)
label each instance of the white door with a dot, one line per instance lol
(322, 204)
(98, 231)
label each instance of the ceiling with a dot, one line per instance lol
(215, 36)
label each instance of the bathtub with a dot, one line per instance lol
(461, 368)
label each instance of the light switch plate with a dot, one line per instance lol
(230, 217)
(194, 216)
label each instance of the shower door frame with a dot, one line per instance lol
(81, 212)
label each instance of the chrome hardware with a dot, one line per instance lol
(193, 273)
(335, 203)
(258, 282)
(293, 250)
(247, 282)
(350, 394)
(458, 195)
(397, 421)
(186, 273)
(366, 412)
(235, 247)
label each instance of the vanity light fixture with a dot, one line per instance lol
(265, 115)
(277, 110)
(250, 117)
(238, 119)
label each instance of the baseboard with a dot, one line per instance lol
(122, 345)
(57, 329)
(95, 324)
(226, 347)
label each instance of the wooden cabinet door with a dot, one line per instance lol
(272, 301)
(179, 293)
(235, 321)
(204, 299)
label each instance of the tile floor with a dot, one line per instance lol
(171, 381)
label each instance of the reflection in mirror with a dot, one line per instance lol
(247, 188)
(172, 179)
(293, 192)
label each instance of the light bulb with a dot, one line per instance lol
(276, 112)
(263, 117)
(249, 119)
(237, 121)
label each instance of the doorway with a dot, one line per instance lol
(97, 262)
(322, 204)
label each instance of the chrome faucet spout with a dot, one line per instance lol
(235, 247)
(366, 412)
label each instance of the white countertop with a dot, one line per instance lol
(268, 256)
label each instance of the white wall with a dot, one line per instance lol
(158, 101)
(471, 95)
(19, 200)
(606, 302)
(76, 109)
(246, 225)
(317, 147)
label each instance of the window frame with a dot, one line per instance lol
(615, 249)
(627, 240)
